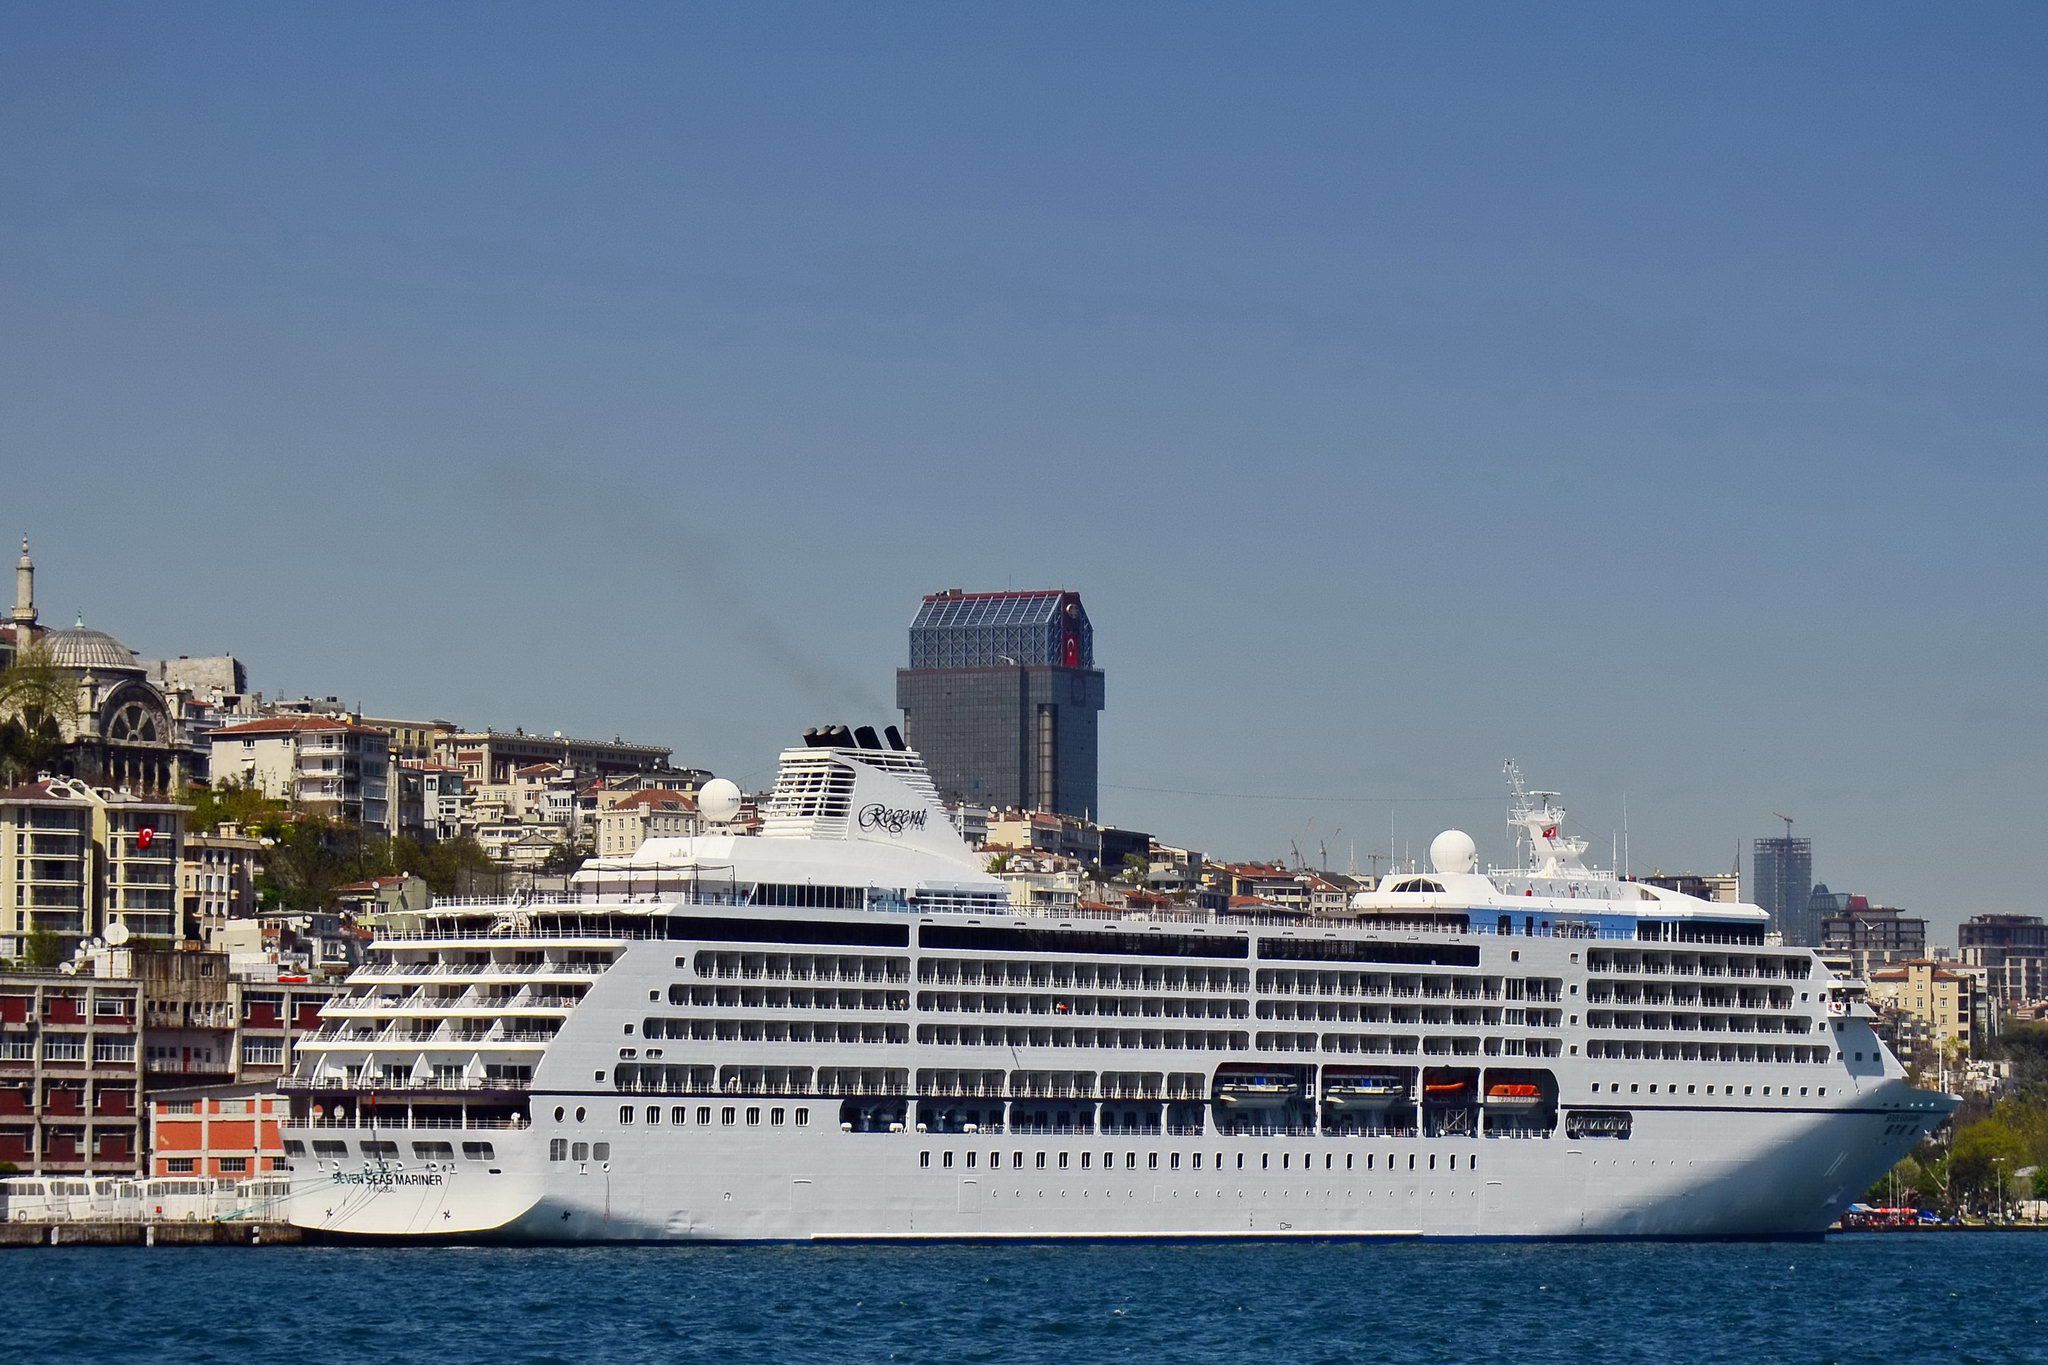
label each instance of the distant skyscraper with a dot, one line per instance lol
(1001, 698)
(1781, 884)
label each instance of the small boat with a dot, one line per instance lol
(1513, 1095)
(1364, 1092)
(1257, 1092)
(1445, 1092)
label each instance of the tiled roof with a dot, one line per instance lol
(293, 725)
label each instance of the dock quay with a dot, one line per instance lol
(183, 1234)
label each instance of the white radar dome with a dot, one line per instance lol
(1453, 851)
(718, 800)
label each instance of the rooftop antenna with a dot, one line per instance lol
(1624, 836)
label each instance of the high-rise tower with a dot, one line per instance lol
(1001, 698)
(1781, 883)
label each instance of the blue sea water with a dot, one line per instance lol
(1877, 1298)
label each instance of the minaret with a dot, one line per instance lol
(24, 596)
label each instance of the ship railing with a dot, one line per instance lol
(381, 1084)
(381, 1122)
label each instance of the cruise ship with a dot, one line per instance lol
(840, 1027)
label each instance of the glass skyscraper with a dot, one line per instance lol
(1001, 698)
(1781, 884)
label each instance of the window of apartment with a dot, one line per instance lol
(179, 1165)
(234, 1165)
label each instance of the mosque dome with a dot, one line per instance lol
(90, 651)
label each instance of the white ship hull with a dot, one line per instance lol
(1681, 1174)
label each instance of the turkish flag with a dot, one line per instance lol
(144, 837)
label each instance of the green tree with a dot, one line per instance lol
(1983, 1154)
(1137, 867)
(34, 695)
(999, 863)
(236, 803)
(309, 861)
(42, 950)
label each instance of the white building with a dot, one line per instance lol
(327, 765)
(631, 821)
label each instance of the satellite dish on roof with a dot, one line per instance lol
(718, 800)
(117, 934)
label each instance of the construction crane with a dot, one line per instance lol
(1788, 822)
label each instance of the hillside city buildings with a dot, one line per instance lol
(161, 979)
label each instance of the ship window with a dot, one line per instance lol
(924, 1158)
(654, 995)
(1329, 1162)
(329, 1148)
(1432, 1161)
(1265, 1160)
(1347, 1161)
(1749, 1090)
(1411, 1161)
(803, 1116)
(1017, 1160)
(1285, 1160)
(1823, 1090)
(946, 1160)
(558, 1149)
(1041, 1161)
(294, 1147)
(625, 1113)
(1240, 1161)
(1063, 1161)
(970, 1160)
(703, 1113)
(433, 1151)
(597, 1075)
(1174, 1164)
(727, 1115)
(1198, 1161)
(776, 1116)
(1633, 1089)
(677, 1115)
(753, 1115)
(601, 1151)
(579, 1113)
(629, 1026)
(558, 1113)
(580, 1152)
(1085, 1159)
(1130, 1161)
(654, 1113)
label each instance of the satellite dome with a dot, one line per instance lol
(89, 651)
(1453, 851)
(718, 800)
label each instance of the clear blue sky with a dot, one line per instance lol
(1654, 394)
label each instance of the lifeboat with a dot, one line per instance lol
(1256, 1092)
(1364, 1092)
(1513, 1095)
(1446, 1092)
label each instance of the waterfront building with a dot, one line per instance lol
(80, 859)
(1002, 697)
(326, 765)
(1047, 832)
(492, 756)
(1781, 884)
(70, 1074)
(229, 1132)
(217, 878)
(2013, 951)
(636, 817)
(1945, 1002)
(1868, 936)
